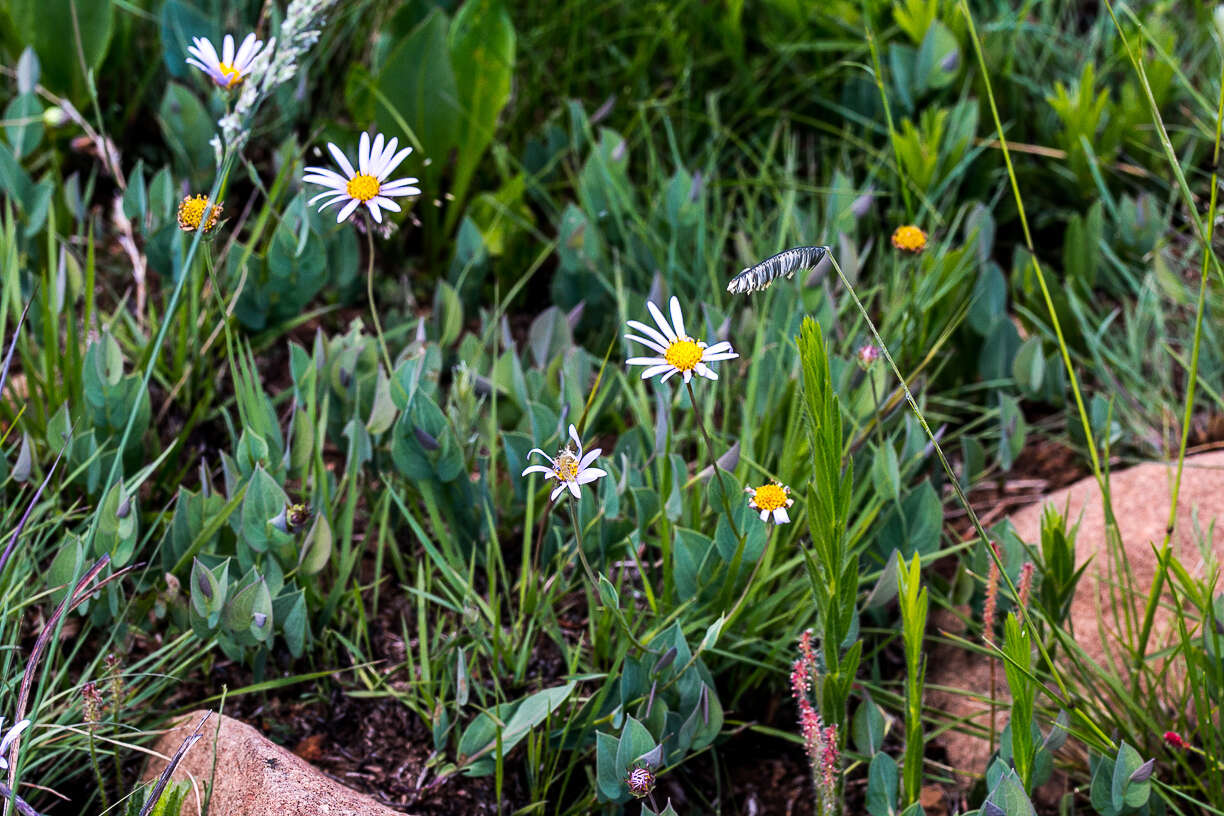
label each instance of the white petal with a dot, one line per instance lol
(661, 321)
(376, 150)
(363, 154)
(386, 203)
(650, 344)
(677, 317)
(726, 355)
(400, 182)
(547, 471)
(706, 372)
(573, 488)
(394, 162)
(573, 434)
(654, 371)
(384, 157)
(551, 461)
(13, 733)
(374, 211)
(243, 56)
(719, 348)
(328, 193)
(399, 190)
(336, 200)
(781, 517)
(764, 515)
(207, 50)
(347, 210)
(646, 361)
(200, 65)
(227, 50)
(688, 375)
(341, 160)
(669, 374)
(589, 475)
(650, 332)
(556, 491)
(329, 179)
(589, 457)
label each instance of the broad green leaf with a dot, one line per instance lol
(61, 33)
(317, 547)
(868, 728)
(418, 86)
(482, 44)
(882, 785)
(23, 125)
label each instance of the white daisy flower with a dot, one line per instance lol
(13, 733)
(571, 468)
(771, 498)
(681, 354)
(368, 183)
(229, 69)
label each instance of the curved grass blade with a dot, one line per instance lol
(8, 357)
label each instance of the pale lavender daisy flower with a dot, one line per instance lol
(229, 69)
(368, 183)
(680, 354)
(571, 468)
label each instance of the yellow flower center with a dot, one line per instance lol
(909, 238)
(683, 353)
(567, 466)
(191, 210)
(231, 72)
(363, 187)
(770, 497)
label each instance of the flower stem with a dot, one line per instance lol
(382, 341)
(582, 554)
(93, 760)
(714, 464)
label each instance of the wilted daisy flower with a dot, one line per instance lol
(681, 354)
(229, 69)
(12, 734)
(571, 468)
(191, 212)
(771, 498)
(368, 183)
(909, 238)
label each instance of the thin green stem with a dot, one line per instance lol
(714, 463)
(382, 340)
(97, 769)
(586, 566)
(1037, 270)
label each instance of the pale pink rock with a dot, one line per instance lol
(254, 776)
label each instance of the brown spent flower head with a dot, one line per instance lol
(909, 238)
(296, 516)
(91, 704)
(191, 211)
